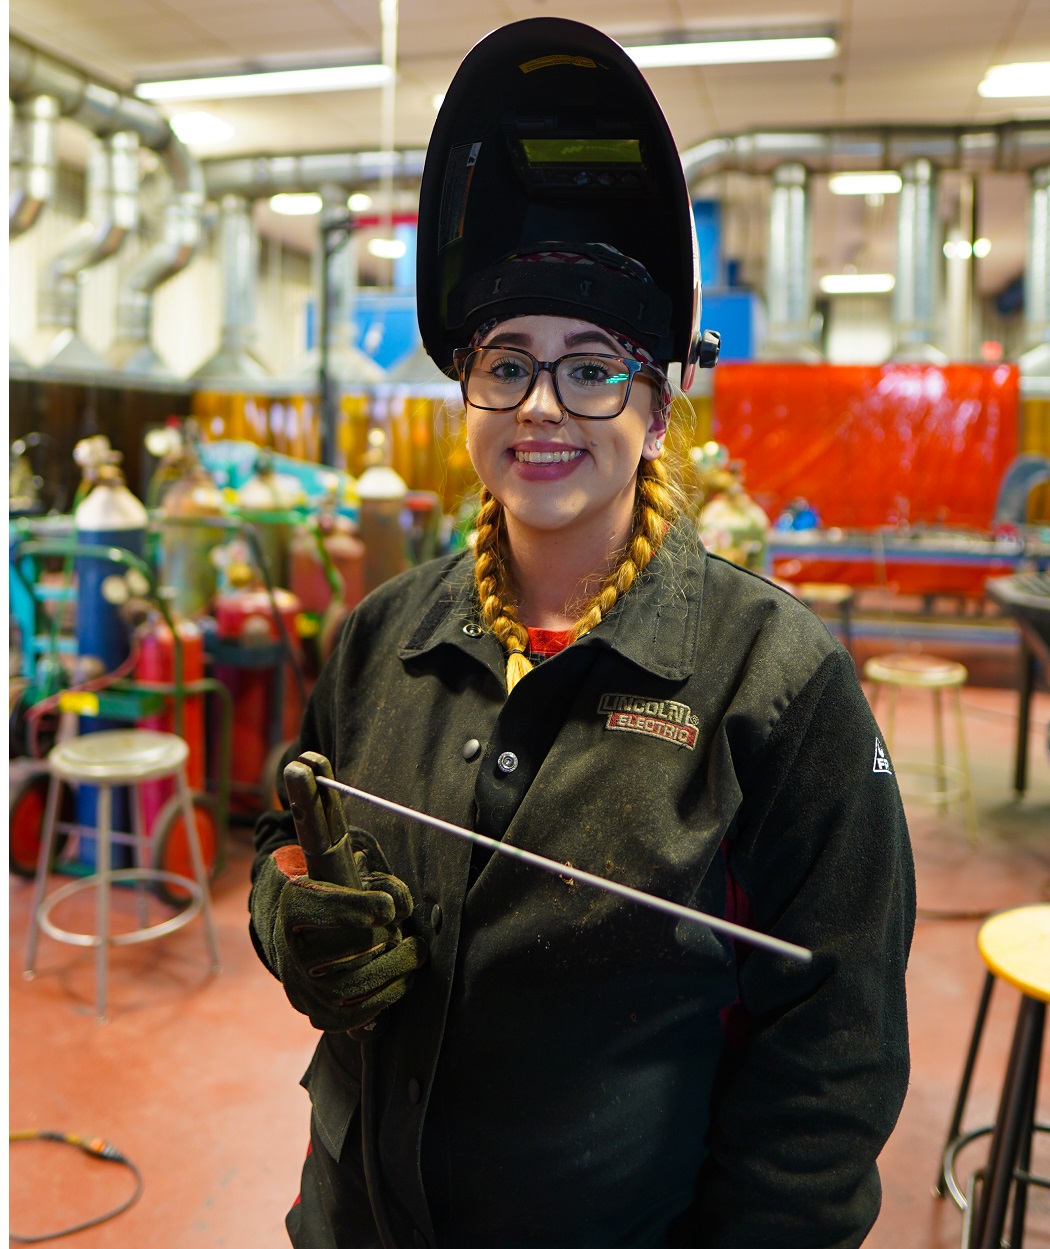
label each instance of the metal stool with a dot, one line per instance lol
(105, 759)
(935, 674)
(1015, 946)
(831, 595)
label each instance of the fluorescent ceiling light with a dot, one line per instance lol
(296, 204)
(273, 82)
(734, 51)
(857, 283)
(359, 202)
(873, 183)
(1021, 78)
(200, 129)
(388, 249)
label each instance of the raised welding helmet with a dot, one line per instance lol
(550, 146)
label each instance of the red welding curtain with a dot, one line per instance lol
(871, 446)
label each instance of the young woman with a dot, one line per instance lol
(511, 1060)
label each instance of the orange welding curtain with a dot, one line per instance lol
(869, 446)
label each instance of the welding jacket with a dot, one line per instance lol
(571, 1070)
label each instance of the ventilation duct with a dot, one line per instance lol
(238, 257)
(34, 160)
(112, 213)
(915, 293)
(789, 301)
(258, 176)
(103, 110)
(1035, 362)
(335, 271)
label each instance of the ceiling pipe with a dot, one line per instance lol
(238, 261)
(1035, 360)
(105, 110)
(34, 160)
(789, 299)
(259, 176)
(112, 213)
(915, 293)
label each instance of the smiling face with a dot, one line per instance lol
(553, 472)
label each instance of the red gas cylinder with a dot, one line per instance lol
(156, 662)
(253, 665)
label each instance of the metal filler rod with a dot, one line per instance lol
(674, 909)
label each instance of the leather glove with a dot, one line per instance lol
(338, 951)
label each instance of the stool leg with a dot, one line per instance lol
(938, 746)
(967, 1076)
(1024, 1159)
(199, 870)
(138, 826)
(43, 867)
(1010, 1124)
(964, 764)
(104, 866)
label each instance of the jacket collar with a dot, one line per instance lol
(654, 626)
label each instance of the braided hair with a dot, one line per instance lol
(655, 508)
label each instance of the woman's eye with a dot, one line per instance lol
(596, 372)
(508, 370)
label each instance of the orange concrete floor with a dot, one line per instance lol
(195, 1077)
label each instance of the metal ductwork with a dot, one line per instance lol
(789, 301)
(35, 75)
(238, 257)
(335, 274)
(34, 160)
(915, 295)
(259, 176)
(1035, 362)
(112, 213)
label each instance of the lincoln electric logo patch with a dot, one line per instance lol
(655, 717)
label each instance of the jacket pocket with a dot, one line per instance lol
(335, 1095)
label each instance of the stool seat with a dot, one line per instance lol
(924, 671)
(1015, 946)
(118, 756)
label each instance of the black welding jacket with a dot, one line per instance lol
(570, 1070)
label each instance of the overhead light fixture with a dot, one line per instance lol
(359, 202)
(387, 249)
(981, 247)
(857, 283)
(296, 203)
(272, 82)
(734, 50)
(200, 129)
(865, 183)
(1018, 79)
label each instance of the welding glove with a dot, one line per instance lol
(338, 951)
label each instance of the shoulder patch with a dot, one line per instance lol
(882, 763)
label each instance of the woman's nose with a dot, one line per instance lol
(542, 403)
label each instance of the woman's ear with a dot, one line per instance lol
(654, 438)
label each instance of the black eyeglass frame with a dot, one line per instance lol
(461, 355)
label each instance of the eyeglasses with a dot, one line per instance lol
(589, 385)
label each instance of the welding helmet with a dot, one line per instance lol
(552, 185)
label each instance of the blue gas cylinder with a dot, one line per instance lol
(109, 516)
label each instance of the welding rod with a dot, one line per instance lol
(565, 870)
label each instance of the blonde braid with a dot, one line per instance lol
(654, 511)
(497, 610)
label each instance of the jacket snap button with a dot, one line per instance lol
(436, 918)
(414, 1091)
(471, 748)
(507, 761)
(472, 630)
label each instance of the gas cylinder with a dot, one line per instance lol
(265, 500)
(110, 515)
(187, 541)
(252, 664)
(383, 524)
(156, 662)
(308, 580)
